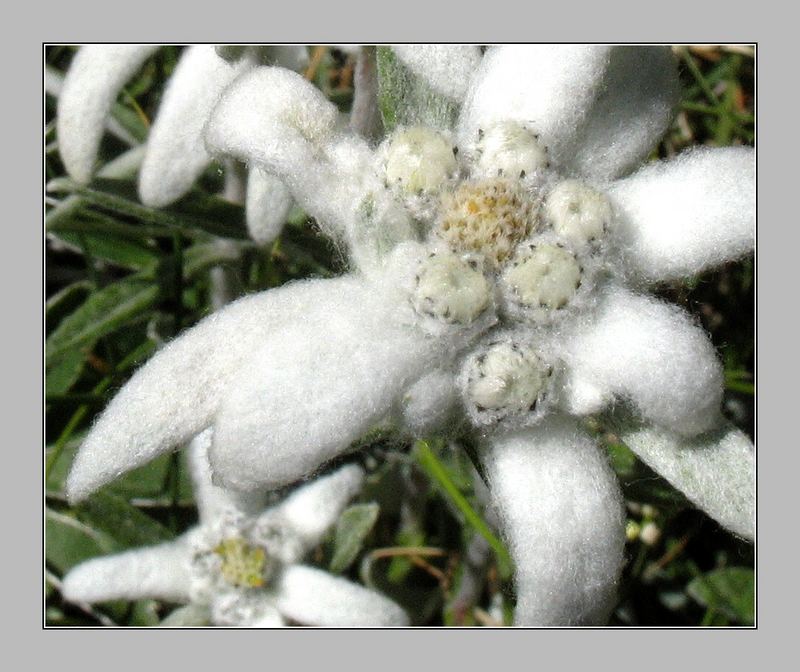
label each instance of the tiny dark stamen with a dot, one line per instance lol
(521, 174)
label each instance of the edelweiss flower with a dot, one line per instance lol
(175, 155)
(498, 270)
(241, 564)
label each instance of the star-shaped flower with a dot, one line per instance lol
(242, 564)
(498, 276)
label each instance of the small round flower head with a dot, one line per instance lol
(577, 212)
(486, 216)
(451, 288)
(508, 148)
(417, 162)
(544, 277)
(243, 565)
(507, 378)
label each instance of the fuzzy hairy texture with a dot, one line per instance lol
(561, 509)
(160, 572)
(267, 205)
(278, 423)
(716, 471)
(447, 68)
(176, 154)
(310, 596)
(678, 217)
(429, 404)
(648, 352)
(175, 394)
(95, 77)
(598, 109)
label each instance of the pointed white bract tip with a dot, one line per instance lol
(679, 217)
(174, 396)
(447, 68)
(716, 471)
(176, 153)
(561, 509)
(652, 354)
(267, 207)
(96, 75)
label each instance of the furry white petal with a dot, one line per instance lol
(447, 68)
(314, 597)
(93, 81)
(176, 154)
(651, 353)
(716, 471)
(679, 217)
(311, 510)
(267, 206)
(430, 403)
(301, 399)
(256, 610)
(561, 508)
(213, 502)
(175, 395)
(159, 572)
(598, 109)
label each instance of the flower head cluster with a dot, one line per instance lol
(497, 283)
(241, 565)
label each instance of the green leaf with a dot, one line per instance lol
(114, 249)
(62, 303)
(64, 373)
(69, 542)
(406, 100)
(103, 312)
(730, 591)
(120, 520)
(352, 529)
(190, 615)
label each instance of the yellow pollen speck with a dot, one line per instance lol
(242, 565)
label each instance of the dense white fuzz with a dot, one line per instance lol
(155, 572)
(417, 160)
(95, 77)
(716, 471)
(679, 217)
(508, 148)
(312, 597)
(447, 68)
(488, 217)
(650, 353)
(451, 288)
(267, 206)
(256, 610)
(543, 277)
(429, 404)
(213, 502)
(278, 423)
(176, 154)
(311, 510)
(506, 378)
(597, 109)
(577, 212)
(561, 509)
(174, 396)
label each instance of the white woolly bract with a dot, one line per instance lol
(716, 471)
(429, 404)
(175, 395)
(562, 513)
(679, 217)
(320, 383)
(176, 153)
(650, 353)
(310, 511)
(313, 597)
(159, 572)
(256, 610)
(447, 68)
(267, 206)
(95, 77)
(598, 109)
(213, 502)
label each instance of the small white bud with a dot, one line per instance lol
(509, 149)
(418, 161)
(650, 534)
(577, 212)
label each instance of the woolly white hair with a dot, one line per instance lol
(267, 206)
(97, 74)
(448, 68)
(562, 514)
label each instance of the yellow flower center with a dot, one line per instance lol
(243, 565)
